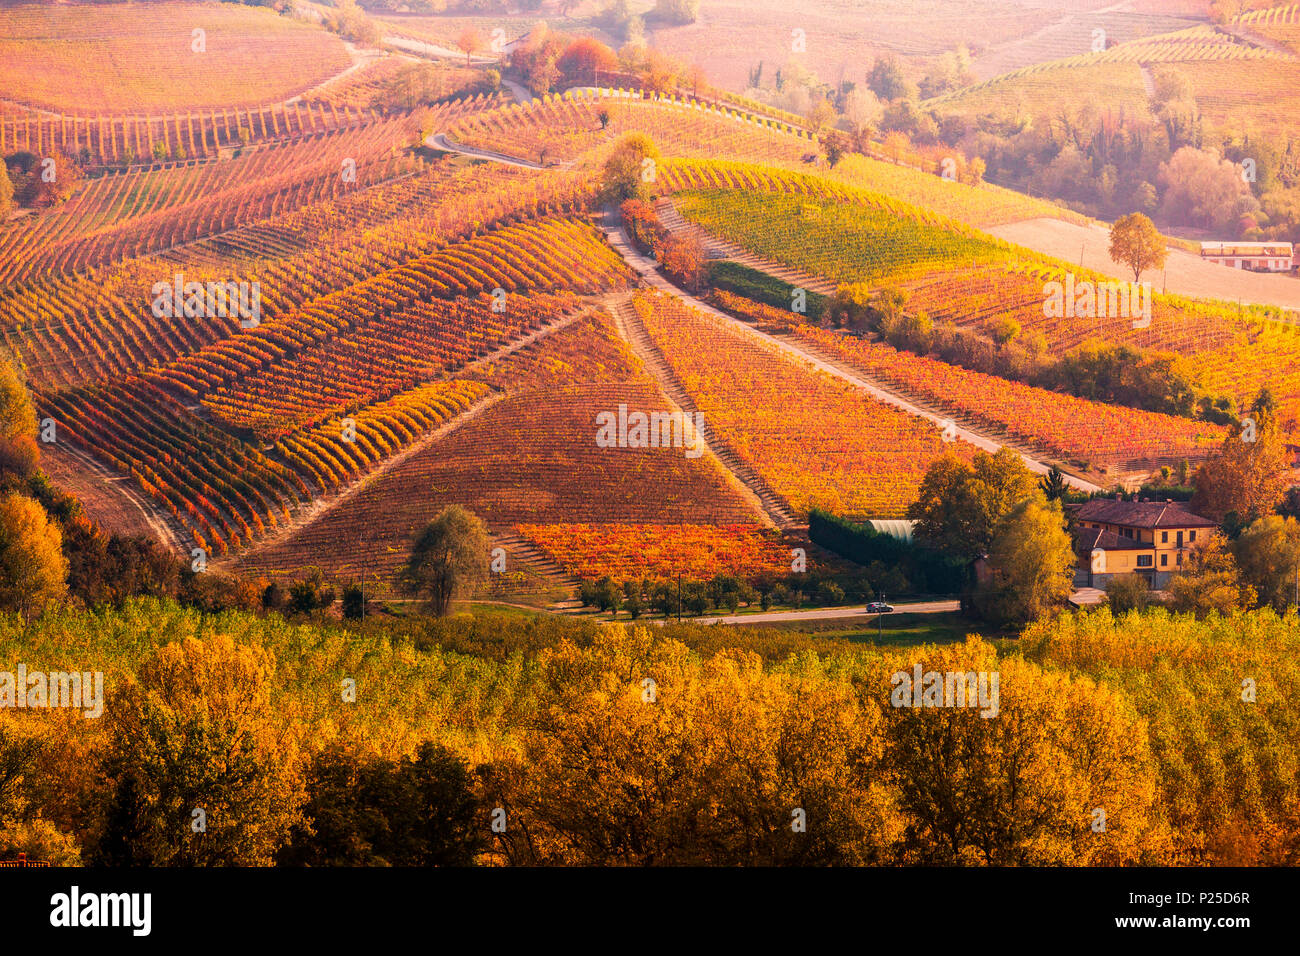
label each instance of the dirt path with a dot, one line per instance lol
(103, 491)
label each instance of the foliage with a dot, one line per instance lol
(1030, 564)
(449, 556)
(959, 504)
(1137, 243)
(33, 570)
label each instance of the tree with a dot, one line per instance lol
(958, 504)
(1136, 242)
(1127, 592)
(1210, 581)
(630, 170)
(1031, 564)
(1019, 788)
(887, 81)
(33, 570)
(682, 257)
(6, 192)
(1268, 556)
(585, 58)
(1053, 485)
(1204, 189)
(1248, 476)
(375, 812)
(471, 41)
(201, 771)
(448, 558)
(19, 452)
(678, 12)
(706, 771)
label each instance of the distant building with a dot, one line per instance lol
(1253, 256)
(1149, 538)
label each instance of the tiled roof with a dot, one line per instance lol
(1142, 514)
(1086, 540)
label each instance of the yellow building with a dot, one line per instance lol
(1150, 538)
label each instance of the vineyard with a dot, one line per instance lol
(1062, 426)
(817, 441)
(562, 128)
(551, 255)
(74, 329)
(844, 242)
(375, 360)
(132, 214)
(341, 450)
(1233, 353)
(531, 459)
(223, 492)
(631, 552)
(909, 190)
(96, 57)
(1280, 24)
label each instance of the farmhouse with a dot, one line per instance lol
(1253, 256)
(1150, 538)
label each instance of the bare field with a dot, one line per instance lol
(1185, 274)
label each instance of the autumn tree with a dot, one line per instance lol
(959, 504)
(585, 58)
(470, 41)
(6, 192)
(682, 257)
(1136, 242)
(1205, 189)
(1210, 581)
(33, 570)
(1031, 564)
(1268, 557)
(449, 557)
(1021, 785)
(641, 754)
(1127, 592)
(19, 452)
(201, 771)
(1248, 476)
(631, 169)
(369, 811)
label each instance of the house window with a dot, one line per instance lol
(1191, 536)
(1180, 557)
(1144, 561)
(1164, 537)
(1164, 560)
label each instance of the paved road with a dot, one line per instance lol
(827, 614)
